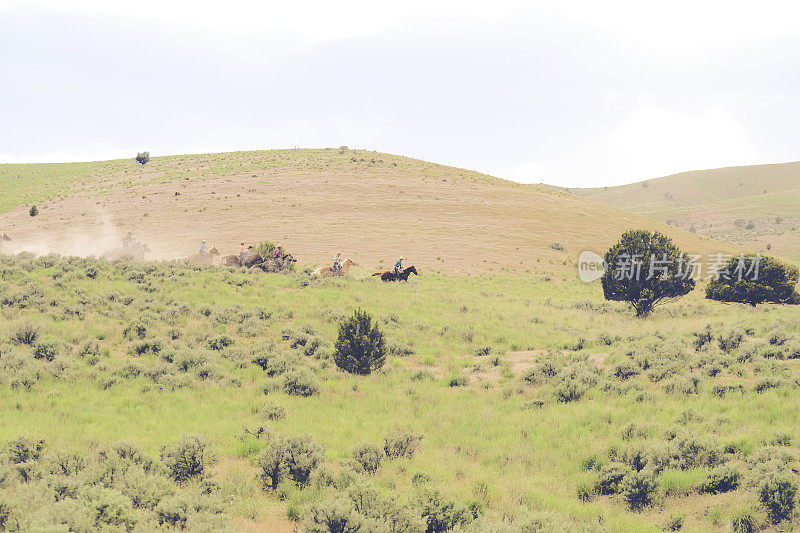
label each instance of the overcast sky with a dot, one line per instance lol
(569, 93)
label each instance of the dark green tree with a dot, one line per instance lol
(142, 158)
(754, 279)
(645, 269)
(360, 348)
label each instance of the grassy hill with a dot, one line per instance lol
(153, 396)
(750, 206)
(373, 207)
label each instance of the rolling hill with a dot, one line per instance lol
(372, 206)
(755, 207)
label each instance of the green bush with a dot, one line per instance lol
(45, 350)
(643, 290)
(368, 457)
(143, 158)
(638, 489)
(743, 522)
(300, 382)
(360, 347)
(774, 283)
(777, 491)
(401, 444)
(333, 516)
(720, 479)
(293, 457)
(610, 477)
(188, 458)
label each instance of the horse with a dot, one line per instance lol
(328, 271)
(205, 259)
(388, 275)
(136, 250)
(4, 238)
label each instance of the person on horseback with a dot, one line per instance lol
(276, 253)
(398, 268)
(337, 263)
(242, 254)
(126, 240)
(201, 251)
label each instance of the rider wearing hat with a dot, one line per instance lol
(398, 267)
(337, 262)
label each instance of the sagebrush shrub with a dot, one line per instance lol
(610, 477)
(401, 444)
(638, 489)
(777, 491)
(368, 457)
(743, 522)
(300, 382)
(293, 457)
(720, 479)
(188, 458)
(25, 334)
(45, 350)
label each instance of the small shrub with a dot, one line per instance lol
(300, 382)
(25, 334)
(188, 458)
(336, 515)
(45, 350)
(720, 479)
(743, 522)
(360, 347)
(730, 340)
(368, 457)
(293, 457)
(610, 477)
(777, 492)
(401, 444)
(272, 412)
(220, 342)
(33, 211)
(638, 489)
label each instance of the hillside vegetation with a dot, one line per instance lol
(373, 207)
(750, 206)
(505, 402)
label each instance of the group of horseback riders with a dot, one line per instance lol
(205, 255)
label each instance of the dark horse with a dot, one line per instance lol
(388, 275)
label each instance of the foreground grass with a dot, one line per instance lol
(495, 434)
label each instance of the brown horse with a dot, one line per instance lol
(388, 275)
(328, 271)
(136, 250)
(206, 259)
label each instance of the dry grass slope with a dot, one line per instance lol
(372, 206)
(721, 203)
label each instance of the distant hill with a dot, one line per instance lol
(754, 207)
(372, 206)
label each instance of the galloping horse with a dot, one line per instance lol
(136, 250)
(388, 275)
(328, 271)
(206, 259)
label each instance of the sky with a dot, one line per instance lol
(566, 93)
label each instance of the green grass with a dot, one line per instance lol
(482, 442)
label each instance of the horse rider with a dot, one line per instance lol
(126, 240)
(398, 267)
(276, 253)
(242, 254)
(201, 251)
(337, 262)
